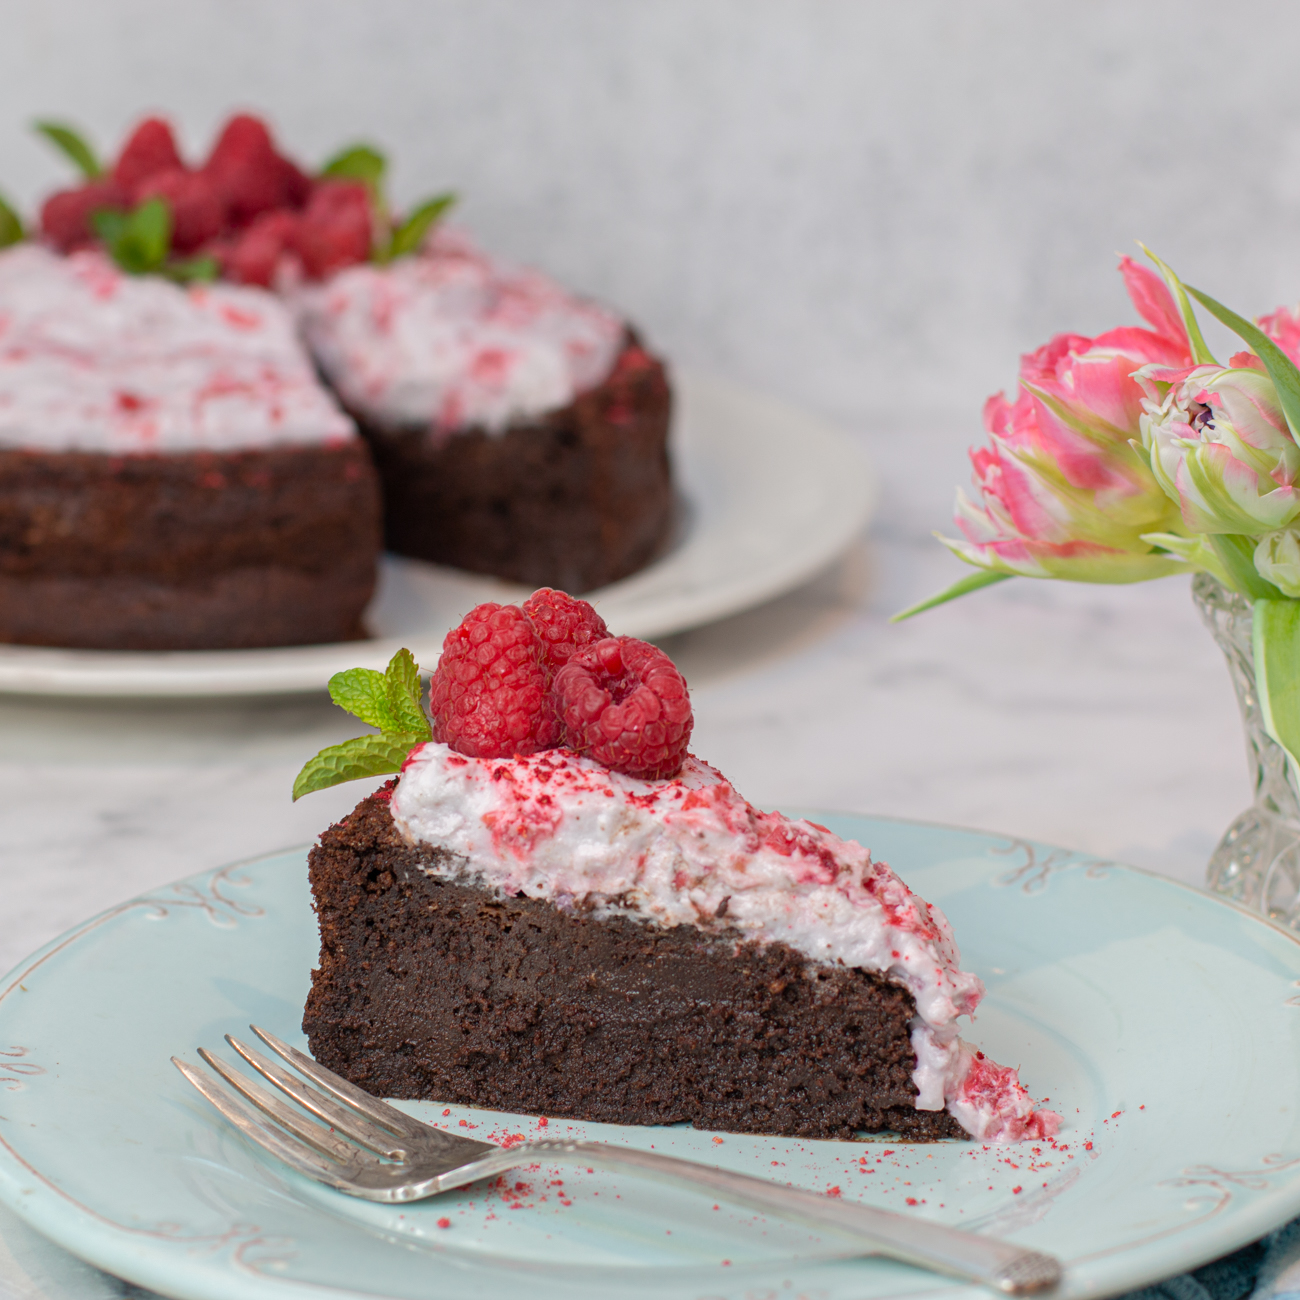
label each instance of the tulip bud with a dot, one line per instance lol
(1220, 446)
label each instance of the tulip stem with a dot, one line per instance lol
(1237, 554)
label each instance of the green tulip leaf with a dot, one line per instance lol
(11, 225)
(1237, 556)
(1201, 353)
(354, 759)
(1281, 369)
(70, 143)
(408, 237)
(1276, 630)
(972, 582)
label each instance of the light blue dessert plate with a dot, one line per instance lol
(1164, 1025)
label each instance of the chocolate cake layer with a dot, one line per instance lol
(197, 550)
(575, 499)
(433, 988)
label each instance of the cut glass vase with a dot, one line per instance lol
(1257, 862)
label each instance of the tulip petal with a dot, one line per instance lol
(1227, 492)
(1201, 354)
(1196, 552)
(1277, 560)
(1282, 370)
(1154, 302)
(1076, 561)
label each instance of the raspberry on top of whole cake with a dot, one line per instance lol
(245, 213)
(93, 359)
(554, 767)
(411, 324)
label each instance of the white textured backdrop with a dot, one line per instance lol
(869, 207)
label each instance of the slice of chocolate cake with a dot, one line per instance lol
(172, 474)
(560, 928)
(518, 430)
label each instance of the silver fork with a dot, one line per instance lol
(393, 1157)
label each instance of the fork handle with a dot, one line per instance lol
(998, 1264)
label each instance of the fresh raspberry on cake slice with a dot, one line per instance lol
(562, 931)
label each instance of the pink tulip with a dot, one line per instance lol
(1064, 492)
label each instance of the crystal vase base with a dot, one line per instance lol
(1257, 862)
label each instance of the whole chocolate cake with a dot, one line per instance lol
(519, 431)
(172, 474)
(556, 909)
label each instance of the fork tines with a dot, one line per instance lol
(370, 1123)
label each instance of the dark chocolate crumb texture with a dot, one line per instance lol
(429, 988)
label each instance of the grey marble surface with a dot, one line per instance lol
(1095, 717)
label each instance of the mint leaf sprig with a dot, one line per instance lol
(140, 243)
(365, 163)
(11, 225)
(74, 146)
(389, 701)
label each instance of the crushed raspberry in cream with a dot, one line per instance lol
(692, 851)
(451, 339)
(95, 360)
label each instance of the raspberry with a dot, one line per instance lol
(564, 624)
(623, 703)
(336, 230)
(65, 217)
(150, 149)
(253, 257)
(198, 212)
(250, 175)
(488, 694)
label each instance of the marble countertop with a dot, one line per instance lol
(1100, 718)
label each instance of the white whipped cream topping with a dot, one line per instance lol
(566, 829)
(92, 359)
(452, 339)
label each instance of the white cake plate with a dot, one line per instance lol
(770, 496)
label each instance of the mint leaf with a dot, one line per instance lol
(389, 700)
(11, 226)
(138, 241)
(363, 692)
(408, 236)
(404, 692)
(353, 759)
(193, 270)
(972, 582)
(70, 143)
(358, 162)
